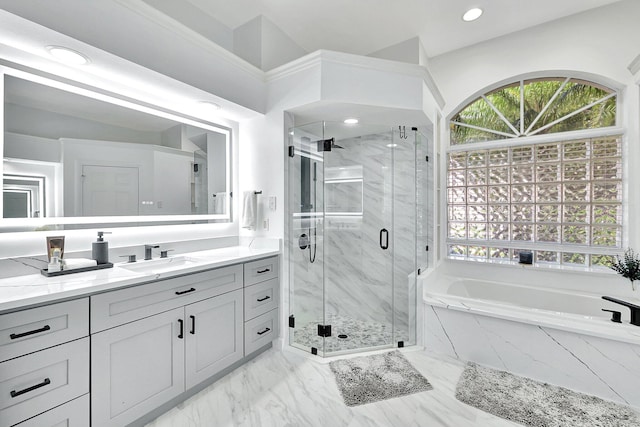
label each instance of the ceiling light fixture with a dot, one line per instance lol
(351, 121)
(472, 14)
(211, 106)
(68, 56)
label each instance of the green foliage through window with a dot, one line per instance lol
(534, 107)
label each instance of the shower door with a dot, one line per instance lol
(358, 250)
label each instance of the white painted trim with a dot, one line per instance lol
(539, 139)
(325, 56)
(154, 15)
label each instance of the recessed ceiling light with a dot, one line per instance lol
(351, 121)
(68, 56)
(472, 14)
(211, 106)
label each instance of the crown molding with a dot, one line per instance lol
(148, 12)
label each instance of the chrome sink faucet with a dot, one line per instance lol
(148, 251)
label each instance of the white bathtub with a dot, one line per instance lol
(556, 336)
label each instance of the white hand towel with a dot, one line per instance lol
(220, 205)
(73, 263)
(249, 210)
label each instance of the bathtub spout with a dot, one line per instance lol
(635, 309)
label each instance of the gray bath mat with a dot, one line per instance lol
(538, 404)
(369, 379)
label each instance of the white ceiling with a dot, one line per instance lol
(365, 26)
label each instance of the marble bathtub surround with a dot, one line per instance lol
(536, 348)
(368, 379)
(537, 404)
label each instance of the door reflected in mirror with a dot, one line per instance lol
(68, 155)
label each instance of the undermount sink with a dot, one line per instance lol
(160, 265)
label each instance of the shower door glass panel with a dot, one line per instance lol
(407, 150)
(358, 235)
(306, 247)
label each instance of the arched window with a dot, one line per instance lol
(536, 166)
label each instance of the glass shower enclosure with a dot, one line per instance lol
(356, 235)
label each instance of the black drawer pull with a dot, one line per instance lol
(46, 381)
(264, 332)
(181, 334)
(193, 325)
(25, 334)
(264, 271)
(264, 299)
(185, 292)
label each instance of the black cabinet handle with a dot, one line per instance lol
(193, 325)
(185, 292)
(264, 332)
(264, 271)
(181, 334)
(25, 334)
(46, 381)
(264, 299)
(384, 245)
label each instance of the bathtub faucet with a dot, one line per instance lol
(635, 309)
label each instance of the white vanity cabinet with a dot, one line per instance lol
(45, 361)
(138, 366)
(261, 301)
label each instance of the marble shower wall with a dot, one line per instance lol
(359, 274)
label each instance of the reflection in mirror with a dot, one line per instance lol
(69, 155)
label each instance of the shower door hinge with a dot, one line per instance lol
(419, 271)
(426, 158)
(400, 344)
(324, 330)
(426, 248)
(415, 129)
(292, 321)
(292, 151)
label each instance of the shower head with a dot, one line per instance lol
(327, 144)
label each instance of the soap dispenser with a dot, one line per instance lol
(100, 249)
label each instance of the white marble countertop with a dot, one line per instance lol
(34, 289)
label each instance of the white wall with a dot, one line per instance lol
(598, 44)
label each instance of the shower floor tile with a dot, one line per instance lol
(347, 334)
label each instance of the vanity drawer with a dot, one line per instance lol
(115, 308)
(260, 270)
(42, 380)
(260, 298)
(260, 331)
(71, 414)
(26, 331)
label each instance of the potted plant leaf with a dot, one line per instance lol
(628, 266)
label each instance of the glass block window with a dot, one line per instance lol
(560, 198)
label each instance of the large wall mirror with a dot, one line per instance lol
(74, 160)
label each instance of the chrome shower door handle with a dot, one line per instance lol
(384, 233)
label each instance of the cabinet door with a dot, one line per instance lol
(136, 367)
(214, 336)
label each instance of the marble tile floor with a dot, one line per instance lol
(289, 389)
(359, 335)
